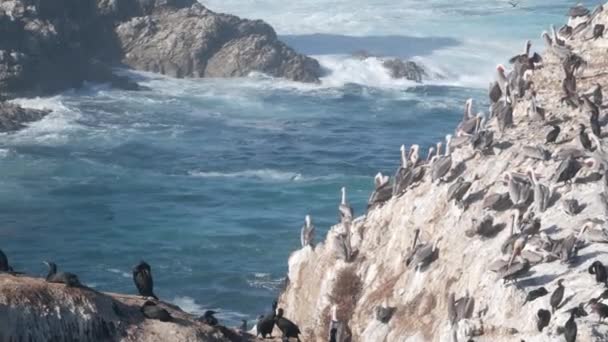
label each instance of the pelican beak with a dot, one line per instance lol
(46, 263)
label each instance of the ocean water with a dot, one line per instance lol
(209, 180)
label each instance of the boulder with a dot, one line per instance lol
(196, 42)
(14, 117)
(404, 69)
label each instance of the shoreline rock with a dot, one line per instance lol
(34, 310)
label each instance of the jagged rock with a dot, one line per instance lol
(14, 117)
(34, 310)
(196, 42)
(404, 69)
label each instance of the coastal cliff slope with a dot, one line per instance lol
(34, 310)
(377, 275)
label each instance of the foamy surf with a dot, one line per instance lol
(190, 306)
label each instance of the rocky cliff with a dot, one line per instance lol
(461, 294)
(34, 310)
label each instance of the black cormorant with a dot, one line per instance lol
(557, 295)
(598, 269)
(543, 317)
(142, 276)
(287, 327)
(265, 323)
(535, 294)
(153, 311)
(208, 318)
(553, 134)
(66, 278)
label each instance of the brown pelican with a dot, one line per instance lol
(404, 175)
(583, 138)
(518, 247)
(567, 170)
(458, 189)
(503, 82)
(442, 165)
(562, 52)
(558, 41)
(425, 254)
(460, 309)
(411, 252)
(69, 279)
(468, 122)
(307, 234)
(570, 96)
(565, 31)
(553, 134)
(494, 92)
(536, 152)
(503, 111)
(519, 189)
(507, 245)
(592, 232)
(535, 113)
(345, 210)
(542, 193)
(497, 202)
(578, 11)
(429, 155)
(342, 246)
(483, 139)
(557, 295)
(568, 152)
(383, 191)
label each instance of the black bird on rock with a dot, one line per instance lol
(567, 170)
(584, 138)
(598, 269)
(599, 308)
(287, 327)
(265, 323)
(543, 317)
(142, 276)
(535, 294)
(557, 295)
(551, 137)
(208, 318)
(69, 279)
(152, 311)
(4, 267)
(570, 329)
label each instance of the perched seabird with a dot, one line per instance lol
(468, 122)
(558, 41)
(518, 247)
(442, 165)
(69, 279)
(307, 234)
(525, 58)
(383, 191)
(4, 267)
(265, 323)
(557, 296)
(599, 271)
(243, 327)
(494, 92)
(344, 209)
(342, 246)
(598, 31)
(404, 175)
(503, 111)
(570, 329)
(569, 152)
(209, 318)
(600, 309)
(594, 233)
(152, 311)
(142, 276)
(535, 294)
(536, 152)
(543, 317)
(567, 170)
(534, 112)
(542, 193)
(507, 245)
(583, 138)
(519, 189)
(565, 31)
(596, 95)
(424, 254)
(578, 11)
(458, 189)
(485, 228)
(464, 306)
(551, 137)
(570, 97)
(483, 139)
(571, 207)
(287, 327)
(497, 201)
(503, 82)
(429, 155)
(336, 327)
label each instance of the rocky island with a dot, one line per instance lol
(50, 46)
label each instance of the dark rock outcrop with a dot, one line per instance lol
(404, 69)
(14, 117)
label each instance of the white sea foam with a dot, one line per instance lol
(263, 174)
(265, 281)
(189, 305)
(117, 271)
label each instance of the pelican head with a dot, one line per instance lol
(308, 220)
(439, 144)
(431, 150)
(343, 190)
(414, 154)
(468, 106)
(545, 36)
(528, 46)
(437, 243)
(448, 140)
(403, 156)
(334, 313)
(530, 172)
